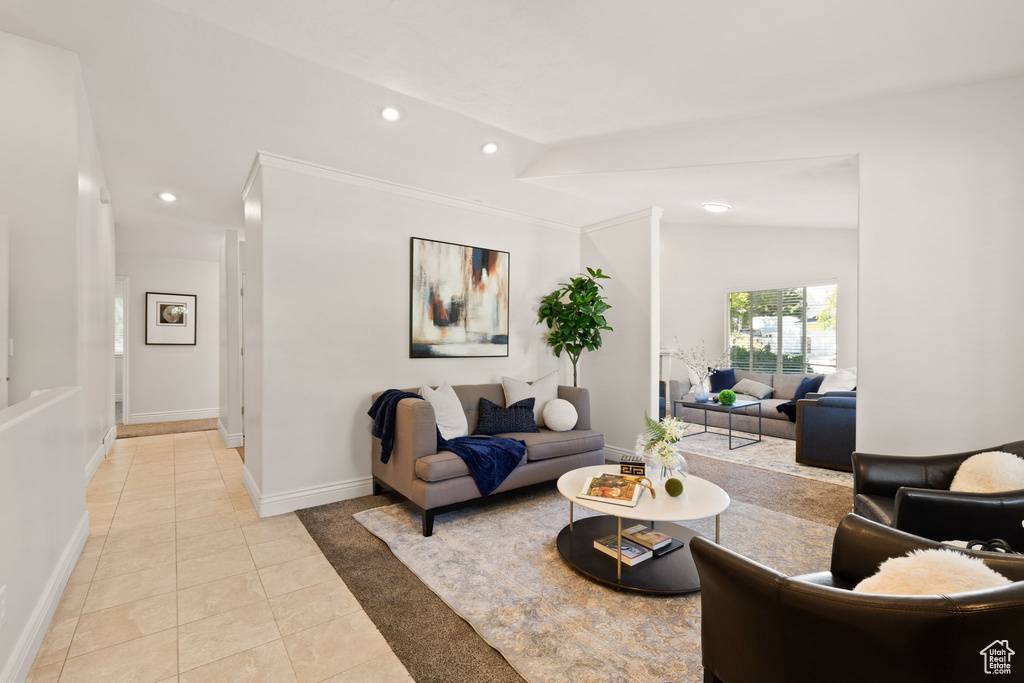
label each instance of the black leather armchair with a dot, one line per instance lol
(912, 494)
(760, 626)
(826, 430)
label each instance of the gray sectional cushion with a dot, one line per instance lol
(761, 377)
(786, 384)
(768, 411)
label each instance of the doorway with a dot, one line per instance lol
(120, 349)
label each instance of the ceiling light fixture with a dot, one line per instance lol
(168, 197)
(390, 114)
(715, 207)
(489, 148)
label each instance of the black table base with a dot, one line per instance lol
(671, 574)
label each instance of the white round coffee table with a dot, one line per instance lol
(671, 573)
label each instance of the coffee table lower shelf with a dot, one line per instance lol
(670, 574)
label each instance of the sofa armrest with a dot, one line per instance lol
(957, 516)
(860, 545)
(884, 475)
(580, 399)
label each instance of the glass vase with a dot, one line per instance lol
(700, 393)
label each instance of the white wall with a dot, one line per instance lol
(940, 244)
(174, 382)
(699, 264)
(327, 320)
(229, 423)
(622, 375)
(43, 520)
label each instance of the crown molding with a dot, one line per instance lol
(653, 213)
(327, 173)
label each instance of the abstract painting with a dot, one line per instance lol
(459, 300)
(170, 319)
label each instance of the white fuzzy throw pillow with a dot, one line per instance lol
(931, 572)
(989, 472)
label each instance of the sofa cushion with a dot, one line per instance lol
(448, 412)
(768, 409)
(542, 391)
(761, 377)
(440, 466)
(786, 384)
(547, 444)
(722, 380)
(754, 388)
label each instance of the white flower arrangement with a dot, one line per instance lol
(657, 443)
(697, 360)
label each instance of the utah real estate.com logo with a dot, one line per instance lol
(997, 657)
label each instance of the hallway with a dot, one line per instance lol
(180, 580)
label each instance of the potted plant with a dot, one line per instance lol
(575, 315)
(659, 445)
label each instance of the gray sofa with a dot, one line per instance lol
(439, 482)
(773, 422)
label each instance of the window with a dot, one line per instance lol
(783, 330)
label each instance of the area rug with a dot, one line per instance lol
(498, 568)
(778, 455)
(175, 427)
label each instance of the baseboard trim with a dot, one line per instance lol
(230, 440)
(94, 462)
(173, 416)
(616, 452)
(298, 499)
(32, 636)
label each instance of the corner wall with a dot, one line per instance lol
(168, 383)
(229, 422)
(327, 318)
(623, 374)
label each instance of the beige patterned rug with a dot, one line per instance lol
(499, 569)
(778, 455)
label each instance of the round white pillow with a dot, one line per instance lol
(560, 415)
(989, 472)
(931, 572)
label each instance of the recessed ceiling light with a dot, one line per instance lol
(390, 114)
(489, 148)
(168, 197)
(715, 207)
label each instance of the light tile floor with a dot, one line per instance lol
(181, 581)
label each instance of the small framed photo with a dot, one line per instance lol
(170, 319)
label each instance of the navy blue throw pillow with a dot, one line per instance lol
(493, 419)
(808, 386)
(722, 380)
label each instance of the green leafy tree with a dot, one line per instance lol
(827, 317)
(575, 315)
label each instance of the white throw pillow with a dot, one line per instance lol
(931, 572)
(543, 390)
(989, 472)
(448, 412)
(560, 415)
(840, 380)
(692, 376)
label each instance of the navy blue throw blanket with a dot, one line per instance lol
(490, 459)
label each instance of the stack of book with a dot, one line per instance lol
(639, 543)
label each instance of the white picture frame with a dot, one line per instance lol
(170, 319)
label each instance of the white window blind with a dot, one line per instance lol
(783, 330)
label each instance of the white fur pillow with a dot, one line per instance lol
(931, 572)
(543, 390)
(448, 413)
(989, 472)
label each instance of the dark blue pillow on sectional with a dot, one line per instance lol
(808, 386)
(722, 380)
(493, 419)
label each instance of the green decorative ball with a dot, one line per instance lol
(674, 487)
(727, 397)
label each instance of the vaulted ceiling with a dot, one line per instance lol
(184, 92)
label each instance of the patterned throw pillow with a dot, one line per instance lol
(752, 388)
(493, 419)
